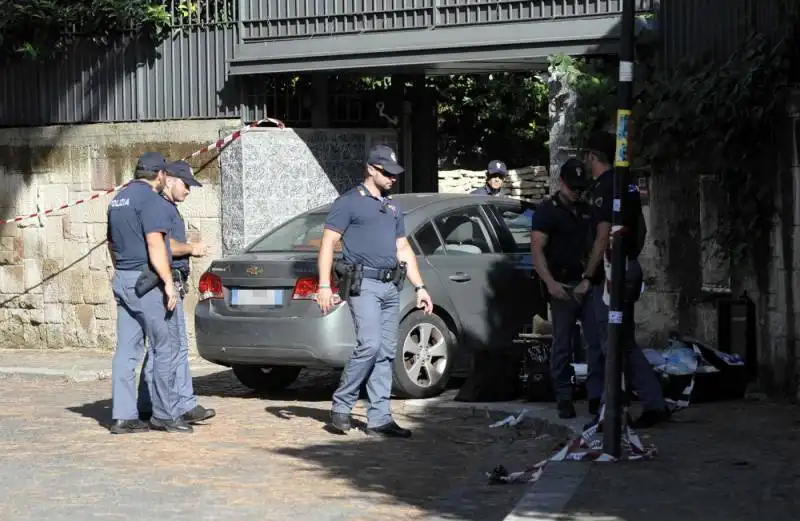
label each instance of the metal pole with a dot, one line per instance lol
(612, 429)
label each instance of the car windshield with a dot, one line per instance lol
(303, 233)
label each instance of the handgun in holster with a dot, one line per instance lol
(179, 279)
(400, 276)
(343, 277)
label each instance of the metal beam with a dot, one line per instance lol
(430, 49)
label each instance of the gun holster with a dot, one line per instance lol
(400, 276)
(147, 281)
(347, 278)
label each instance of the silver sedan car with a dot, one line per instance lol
(257, 315)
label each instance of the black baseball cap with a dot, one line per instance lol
(384, 157)
(573, 173)
(151, 162)
(604, 142)
(183, 171)
(496, 167)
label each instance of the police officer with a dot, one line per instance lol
(495, 175)
(371, 228)
(561, 239)
(139, 221)
(179, 181)
(598, 157)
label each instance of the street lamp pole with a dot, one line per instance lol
(612, 428)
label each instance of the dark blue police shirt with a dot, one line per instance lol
(177, 231)
(369, 235)
(135, 211)
(602, 198)
(569, 237)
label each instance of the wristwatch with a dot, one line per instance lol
(585, 276)
(421, 286)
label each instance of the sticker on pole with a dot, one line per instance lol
(621, 156)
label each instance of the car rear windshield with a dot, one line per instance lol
(303, 233)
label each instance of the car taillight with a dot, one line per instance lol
(210, 286)
(306, 288)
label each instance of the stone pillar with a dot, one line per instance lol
(561, 109)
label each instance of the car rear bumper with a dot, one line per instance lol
(325, 341)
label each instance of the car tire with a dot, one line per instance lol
(266, 378)
(439, 353)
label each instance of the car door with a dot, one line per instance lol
(511, 221)
(462, 249)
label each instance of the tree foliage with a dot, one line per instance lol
(483, 117)
(42, 29)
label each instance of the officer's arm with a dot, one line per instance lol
(599, 247)
(157, 253)
(325, 259)
(538, 242)
(406, 254)
(180, 249)
(155, 222)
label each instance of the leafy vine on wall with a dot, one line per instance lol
(721, 120)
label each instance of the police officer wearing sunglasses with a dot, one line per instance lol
(377, 254)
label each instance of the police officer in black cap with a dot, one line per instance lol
(496, 174)
(139, 221)
(561, 241)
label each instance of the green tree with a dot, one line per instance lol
(42, 29)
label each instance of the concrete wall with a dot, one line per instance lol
(55, 273)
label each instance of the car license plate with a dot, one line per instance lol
(256, 297)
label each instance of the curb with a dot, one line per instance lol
(81, 375)
(546, 499)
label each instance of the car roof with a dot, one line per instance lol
(411, 203)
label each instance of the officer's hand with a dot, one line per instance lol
(171, 293)
(325, 299)
(424, 301)
(581, 290)
(557, 290)
(199, 249)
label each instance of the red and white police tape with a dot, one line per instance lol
(217, 145)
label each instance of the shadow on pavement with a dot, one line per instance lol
(440, 473)
(100, 411)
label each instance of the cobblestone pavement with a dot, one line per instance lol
(260, 458)
(736, 461)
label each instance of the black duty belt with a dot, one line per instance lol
(382, 275)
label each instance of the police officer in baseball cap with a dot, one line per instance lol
(561, 242)
(372, 230)
(496, 174)
(139, 221)
(179, 181)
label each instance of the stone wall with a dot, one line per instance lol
(55, 272)
(270, 175)
(529, 183)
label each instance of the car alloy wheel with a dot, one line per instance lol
(425, 354)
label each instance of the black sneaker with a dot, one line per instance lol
(178, 425)
(389, 430)
(128, 427)
(594, 406)
(651, 417)
(198, 414)
(566, 409)
(340, 422)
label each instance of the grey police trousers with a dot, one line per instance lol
(139, 318)
(376, 316)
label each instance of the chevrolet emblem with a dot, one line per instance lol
(254, 270)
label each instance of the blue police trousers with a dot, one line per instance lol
(139, 318)
(640, 372)
(183, 378)
(564, 314)
(376, 316)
